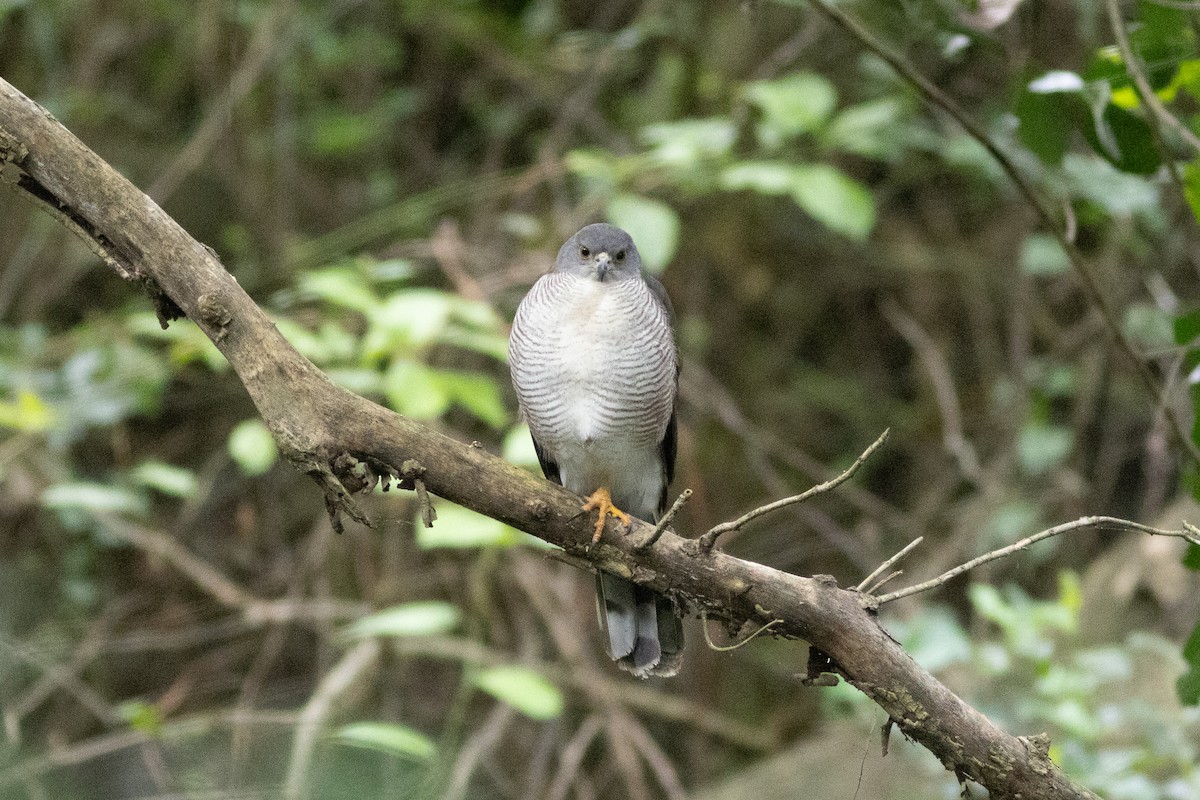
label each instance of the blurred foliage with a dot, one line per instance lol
(388, 178)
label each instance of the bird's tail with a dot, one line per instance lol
(645, 633)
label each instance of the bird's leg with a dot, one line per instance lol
(601, 500)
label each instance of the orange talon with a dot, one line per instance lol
(601, 500)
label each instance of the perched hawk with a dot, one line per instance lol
(594, 365)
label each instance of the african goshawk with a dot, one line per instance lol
(594, 364)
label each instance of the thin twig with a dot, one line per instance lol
(202, 574)
(877, 586)
(727, 648)
(705, 543)
(1091, 286)
(481, 742)
(1158, 112)
(891, 562)
(1189, 532)
(345, 674)
(106, 744)
(269, 40)
(660, 765)
(1159, 115)
(946, 396)
(666, 520)
(570, 758)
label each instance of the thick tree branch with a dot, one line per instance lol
(330, 434)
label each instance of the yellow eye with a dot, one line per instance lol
(583, 251)
(620, 255)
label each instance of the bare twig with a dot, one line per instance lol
(1159, 115)
(66, 680)
(571, 757)
(1189, 532)
(891, 562)
(268, 40)
(727, 648)
(204, 576)
(449, 249)
(664, 771)
(666, 520)
(953, 438)
(875, 587)
(1158, 112)
(482, 741)
(705, 542)
(106, 744)
(1091, 286)
(361, 658)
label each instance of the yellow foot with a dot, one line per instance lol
(601, 500)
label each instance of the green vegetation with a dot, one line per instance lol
(388, 178)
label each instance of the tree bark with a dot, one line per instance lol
(344, 441)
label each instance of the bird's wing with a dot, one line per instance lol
(549, 467)
(669, 444)
(666, 451)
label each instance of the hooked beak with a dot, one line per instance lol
(603, 261)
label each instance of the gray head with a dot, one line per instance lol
(601, 252)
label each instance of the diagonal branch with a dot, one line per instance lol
(325, 431)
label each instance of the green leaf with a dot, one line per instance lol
(792, 105)
(97, 498)
(388, 737)
(1118, 193)
(1123, 139)
(1191, 557)
(1188, 684)
(339, 133)
(478, 393)
(843, 204)
(765, 177)
(527, 691)
(460, 527)
(141, 716)
(867, 129)
(28, 414)
(412, 318)
(1042, 447)
(252, 447)
(654, 227)
(411, 619)
(518, 449)
(1042, 255)
(1045, 123)
(1191, 186)
(342, 286)
(166, 478)
(1011, 521)
(489, 343)
(415, 390)
(1148, 326)
(308, 343)
(686, 142)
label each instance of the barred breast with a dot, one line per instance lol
(594, 366)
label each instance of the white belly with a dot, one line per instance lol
(596, 380)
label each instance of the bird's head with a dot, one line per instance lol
(601, 252)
